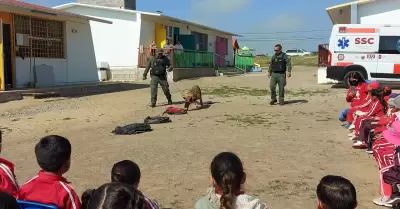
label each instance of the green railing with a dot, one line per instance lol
(244, 62)
(193, 59)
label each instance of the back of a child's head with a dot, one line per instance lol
(228, 174)
(113, 196)
(52, 153)
(126, 172)
(387, 91)
(7, 201)
(336, 192)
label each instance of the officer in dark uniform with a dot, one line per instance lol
(158, 74)
(279, 68)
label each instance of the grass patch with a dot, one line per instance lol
(228, 91)
(308, 61)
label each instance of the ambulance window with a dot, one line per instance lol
(388, 45)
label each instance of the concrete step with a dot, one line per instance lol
(230, 71)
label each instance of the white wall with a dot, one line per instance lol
(115, 43)
(81, 60)
(79, 66)
(211, 40)
(379, 12)
(24, 70)
(147, 33)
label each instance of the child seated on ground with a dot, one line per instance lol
(355, 94)
(7, 201)
(336, 192)
(128, 172)
(376, 109)
(362, 105)
(227, 176)
(8, 182)
(377, 124)
(114, 196)
(53, 154)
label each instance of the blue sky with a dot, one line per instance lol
(262, 18)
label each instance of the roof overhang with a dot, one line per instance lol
(23, 8)
(154, 17)
(341, 14)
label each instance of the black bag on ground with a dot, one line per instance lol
(157, 120)
(134, 128)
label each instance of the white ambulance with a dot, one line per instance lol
(371, 50)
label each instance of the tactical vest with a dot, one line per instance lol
(159, 67)
(278, 64)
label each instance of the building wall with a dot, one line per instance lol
(5, 18)
(79, 66)
(116, 44)
(128, 4)
(231, 55)
(147, 33)
(379, 12)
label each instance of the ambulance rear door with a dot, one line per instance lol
(389, 54)
(357, 45)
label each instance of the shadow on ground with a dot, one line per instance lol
(300, 101)
(82, 91)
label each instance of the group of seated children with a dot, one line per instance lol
(373, 121)
(53, 154)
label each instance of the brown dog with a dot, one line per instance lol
(192, 96)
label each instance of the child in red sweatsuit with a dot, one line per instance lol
(53, 154)
(8, 182)
(355, 95)
(363, 106)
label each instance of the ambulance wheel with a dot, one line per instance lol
(346, 79)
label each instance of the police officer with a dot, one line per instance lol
(158, 74)
(279, 68)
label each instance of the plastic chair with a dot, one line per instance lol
(34, 205)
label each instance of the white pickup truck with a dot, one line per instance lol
(297, 52)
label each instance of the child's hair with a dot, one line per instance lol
(380, 94)
(114, 196)
(7, 201)
(126, 172)
(52, 152)
(227, 172)
(356, 78)
(387, 91)
(336, 192)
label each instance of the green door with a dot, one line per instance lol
(176, 34)
(188, 42)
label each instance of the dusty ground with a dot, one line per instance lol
(285, 150)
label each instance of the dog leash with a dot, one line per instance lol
(176, 86)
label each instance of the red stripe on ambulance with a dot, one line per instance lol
(344, 64)
(396, 69)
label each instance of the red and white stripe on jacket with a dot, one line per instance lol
(49, 189)
(375, 109)
(150, 203)
(8, 182)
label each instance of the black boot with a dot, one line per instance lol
(153, 105)
(281, 102)
(272, 102)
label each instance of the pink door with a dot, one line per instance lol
(221, 50)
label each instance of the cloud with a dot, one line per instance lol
(282, 22)
(218, 6)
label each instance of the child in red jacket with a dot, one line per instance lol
(8, 182)
(363, 106)
(355, 94)
(53, 154)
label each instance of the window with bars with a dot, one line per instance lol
(202, 40)
(46, 37)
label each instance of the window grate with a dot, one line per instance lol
(46, 37)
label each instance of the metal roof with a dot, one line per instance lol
(47, 10)
(173, 19)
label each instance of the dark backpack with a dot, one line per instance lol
(157, 120)
(159, 66)
(134, 128)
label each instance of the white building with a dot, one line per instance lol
(41, 46)
(124, 45)
(366, 12)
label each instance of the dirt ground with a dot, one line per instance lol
(285, 150)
